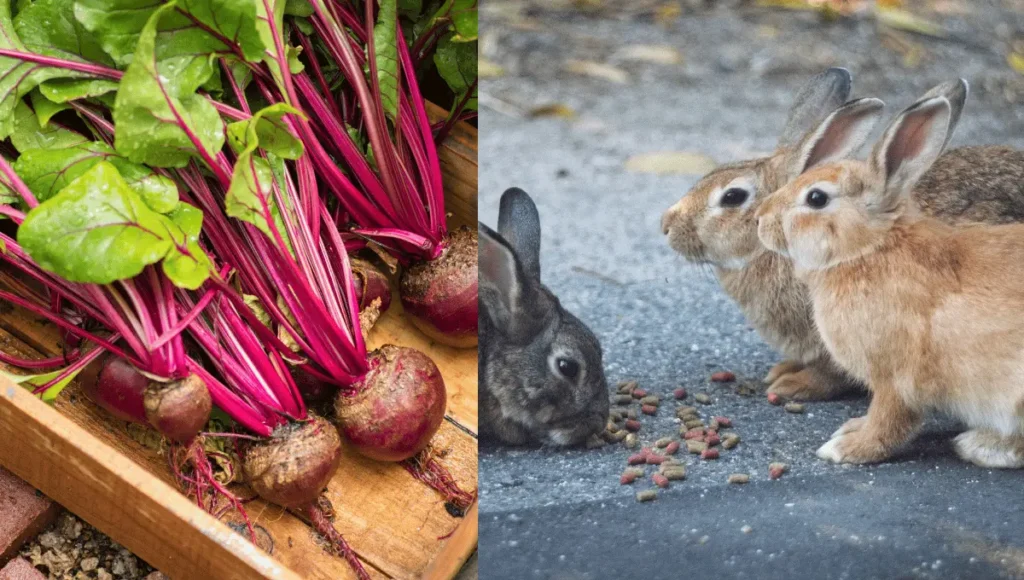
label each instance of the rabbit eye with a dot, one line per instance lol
(733, 197)
(569, 368)
(817, 198)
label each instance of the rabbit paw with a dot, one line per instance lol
(853, 444)
(988, 449)
(802, 385)
(783, 368)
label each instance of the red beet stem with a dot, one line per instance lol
(323, 525)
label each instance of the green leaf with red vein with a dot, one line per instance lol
(97, 230)
(385, 50)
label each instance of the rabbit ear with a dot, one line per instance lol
(956, 93)
(503, 283)
(519, 224)
(909, 146)
(839, 135)
(825, 92)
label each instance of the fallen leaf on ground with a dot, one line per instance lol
(553, 110)
(903, 20)
(489, 70)
(1016, 61)
(597, 70)
(668, 162)
(653, 53)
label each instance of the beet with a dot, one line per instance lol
(370, 283)
(293, 466)
(178, 409)
(440, 295)
(397, 406)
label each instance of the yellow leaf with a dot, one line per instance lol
(671, 162)
(553, 110)
(903, 20)
(597, 70)
(654, 53)
(488, 70)
(1016, 61)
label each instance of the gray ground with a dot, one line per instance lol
(561, 513)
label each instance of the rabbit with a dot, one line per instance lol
(923, 312)
(541, 375)
(714, 224)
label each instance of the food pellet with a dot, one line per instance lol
(651, 400)
(660, 480)
(627, 386)
(611, 427)
(702, 398)
(697, 433)
(746, 529)
(674, 473)
(679, 394)
(614, 437)
(636, 459)
(794, 408)
(680, 411)
(663, 442)
(631, 441)
(713, 425)
(631, 414)
(723, 421)
(712, 439)
(655, 459)
(723, 377)
(739, 478)
(627, 478)
(639, 393)
(774, 399)
(646, 495)
(695, 447)
(731, 441)
(623, 399)
(615, 416)
(709, 454)
(649, 410)
(672, 448)
(775, 470)
(632, 425)
(694, 424)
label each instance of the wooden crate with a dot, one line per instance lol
(76, 454)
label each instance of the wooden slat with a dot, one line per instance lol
(114, 494)
(458, 156)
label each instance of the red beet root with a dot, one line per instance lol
(370, 284)
(293, 466)
(440, 296)
(397, 408)
(178, 409)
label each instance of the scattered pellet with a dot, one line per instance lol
(709, 454)
(722, 377)
(660, 480)
(672, 448)
(651, 400)
(694, 424)
(713, 425)
(695, 447)
(646, 495)
(746, 529)
(611, 427)
(631, 441)
(623, 399)
(627, 478)
(674, 473)
(731, 441)
(615, 437)
(774, 399)
(697, 433)
(712, 439)
(702, 398)
(680, 411)
(627, 386)
(775, 470)
(631, 414)
(636, 459)
(649, 410)
(679, 394)
(739, 478)
(663, 442)
(794, 408)
(632, 425)
(639, 393)
(615, 416)
(723, 421)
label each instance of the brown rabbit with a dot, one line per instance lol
(714, 224)
(926, 314)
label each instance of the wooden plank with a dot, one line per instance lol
(458, 156)
(457, 552)
(112, 493)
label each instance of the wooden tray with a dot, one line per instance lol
(74, 453)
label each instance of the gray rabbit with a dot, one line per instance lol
(541, 376)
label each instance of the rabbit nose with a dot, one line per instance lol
(666, 221)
